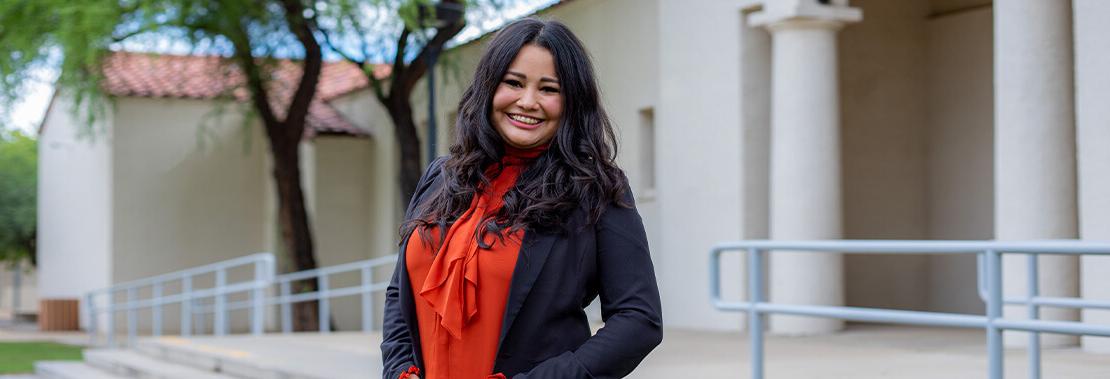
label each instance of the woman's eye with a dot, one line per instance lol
(513, 82)
(550, 89)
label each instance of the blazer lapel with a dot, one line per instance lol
(533, 253)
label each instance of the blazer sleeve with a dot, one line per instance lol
(630, 304)
(397, 350)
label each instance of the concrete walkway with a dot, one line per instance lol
(862, 352)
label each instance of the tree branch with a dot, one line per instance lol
(399, 59)
(313, 64)
(419, 65)
(246, 62)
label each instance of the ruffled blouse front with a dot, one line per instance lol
(460, 288)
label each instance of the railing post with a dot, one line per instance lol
(156, 312)
(132, 316)
(186, 306)
(90, 310)
(1034, 314)
(111, 332)
(755, 321)
(323, 303)
(258, 298)
(219, 322)
(367, 299)
(994, 312)
(286, 309)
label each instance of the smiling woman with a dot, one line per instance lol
(526, 222)
(527, 106)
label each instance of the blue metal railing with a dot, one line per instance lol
(105, 300)
(989, 255)
(196, 303)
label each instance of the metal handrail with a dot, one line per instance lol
(989, 285)
(193, 300)
(324, 293)
(263, 276)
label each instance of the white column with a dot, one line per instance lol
(805, 155)
(1035, 184)
(1092, 123)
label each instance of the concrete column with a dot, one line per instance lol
(805, 155)
(1035, 184)
(1092, 123)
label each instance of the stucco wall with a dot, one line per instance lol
(961, 146)
(882, 93)
(18, 290)
(189, 189)
(187, 192)
(1092, 82)
(384, 204)
(75, 200)
(698, 121)
(343, 211)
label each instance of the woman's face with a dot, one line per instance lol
(528, 103)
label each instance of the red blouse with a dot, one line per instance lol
(461, 289)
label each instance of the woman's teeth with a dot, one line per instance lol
(525, 119)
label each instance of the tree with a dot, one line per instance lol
(253, 33)
(18, 172)
(442, 20)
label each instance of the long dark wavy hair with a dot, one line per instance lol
(577, 171)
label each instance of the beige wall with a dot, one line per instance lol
(185, 194)
(342, 213)
(700, 162)
(883, 133)
(21, 299)
(961, 145)
(75, 200)
(189, 189)
(379, 168)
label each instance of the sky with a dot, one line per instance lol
(27, 112)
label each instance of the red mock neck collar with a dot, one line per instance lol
(515, 155)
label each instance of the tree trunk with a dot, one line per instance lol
(400, 111)
(295, 231)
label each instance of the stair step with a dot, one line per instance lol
(133, 364)
(298, 356)
(70, 370)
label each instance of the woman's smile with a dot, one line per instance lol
(528, 103)
(524, 122)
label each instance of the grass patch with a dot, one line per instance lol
(19, 357)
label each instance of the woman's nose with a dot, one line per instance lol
(527, 100)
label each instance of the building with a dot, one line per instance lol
(820, 119)
(174, 176)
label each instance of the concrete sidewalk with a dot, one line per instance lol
(861, 352)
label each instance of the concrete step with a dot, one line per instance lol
(295, 356)
(70, 370)
(133, 364)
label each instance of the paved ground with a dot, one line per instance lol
(23, 331)
(861, 352)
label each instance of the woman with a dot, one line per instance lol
(508, 238)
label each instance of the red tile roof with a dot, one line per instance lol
(209, 77)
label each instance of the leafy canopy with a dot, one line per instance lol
(18, 175)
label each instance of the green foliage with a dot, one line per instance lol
(19, 357)
(18, 173)
(75, 36)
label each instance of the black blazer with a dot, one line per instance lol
(544, 333)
